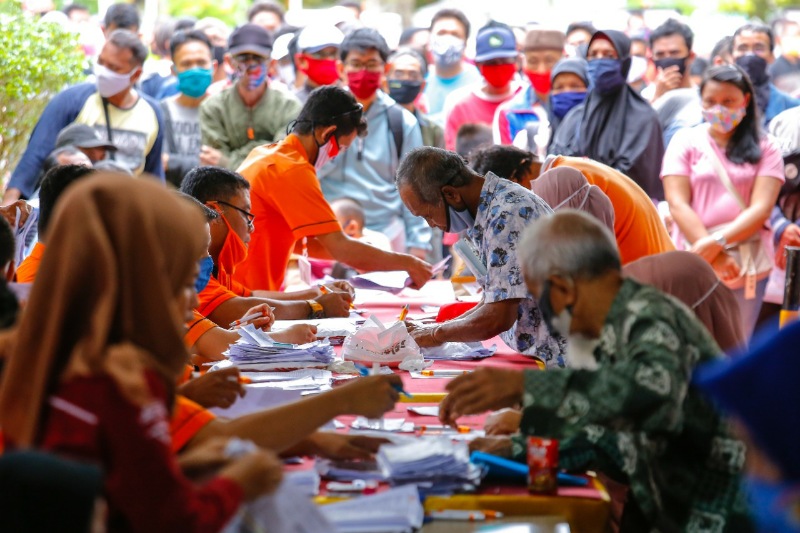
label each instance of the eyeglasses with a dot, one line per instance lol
(249, 217)
(246, 59)
(372, 66)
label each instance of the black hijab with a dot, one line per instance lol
(619, 129)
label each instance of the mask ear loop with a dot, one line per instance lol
(706, 295)
(571, 196)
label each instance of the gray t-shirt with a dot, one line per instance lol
(182, 138)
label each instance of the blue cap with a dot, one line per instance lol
(494, 42)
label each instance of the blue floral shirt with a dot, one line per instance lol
(505, 210)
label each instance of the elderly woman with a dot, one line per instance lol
(491, 212)
(629, 410)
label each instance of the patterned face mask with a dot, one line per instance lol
(724, 119)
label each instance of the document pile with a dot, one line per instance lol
(393, 511)
(435, 465)
(333, 329)
(348, 470)
(257, 348)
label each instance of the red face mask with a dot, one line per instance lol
(363, 83)
(498, 76)
(540, 81)
(321, 71)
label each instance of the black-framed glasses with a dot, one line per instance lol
(249, 217)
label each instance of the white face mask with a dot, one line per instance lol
(580, 352)
(109, 82)
(562, 322)
(327, 152)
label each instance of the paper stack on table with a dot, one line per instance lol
(349, 470)
(255, 346)
(393, 511)
(436, 465)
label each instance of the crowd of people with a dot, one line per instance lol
(623, 203)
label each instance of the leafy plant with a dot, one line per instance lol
(37, 60)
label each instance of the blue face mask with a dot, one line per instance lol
(606, 75)
(775, 507)
(194, 82)
(458, 221)
(206, 266)
(561, 103)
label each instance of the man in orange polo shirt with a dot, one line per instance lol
(288, 202)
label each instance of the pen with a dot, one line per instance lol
(437, 427)
(249, 318)
(403, 313)
(244, 380)
(444, 373)
(364, 371)
(471, 516)
(325, 290)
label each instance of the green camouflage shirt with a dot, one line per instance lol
(637, 418)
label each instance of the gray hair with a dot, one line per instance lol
(427, 169)
(570, 243)
(128, 40)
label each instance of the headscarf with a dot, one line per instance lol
(565, 187)
(690, 279)
(119, 250)
(572, 65)
(620, 129)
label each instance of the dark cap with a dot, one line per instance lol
(364, 39)
(250, 39)
(495, 41)
(82, 136)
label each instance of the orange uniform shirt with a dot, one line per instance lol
(187, 419)
(220, 289)
(196, 329)
(26, 272)
(637, 226)
(288, 204)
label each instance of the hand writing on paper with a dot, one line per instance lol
(214, 389)
(335, 304)
(267, 317)
(370, 396)
(341, 285)
(418, 270)
(480, 391)
(296, 334)
(344, 447)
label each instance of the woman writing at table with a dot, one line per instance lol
(94, 380)
(708, 214)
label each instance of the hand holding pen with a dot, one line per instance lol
(260, 316)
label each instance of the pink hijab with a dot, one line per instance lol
(565, 187)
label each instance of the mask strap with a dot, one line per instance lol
(706, 295)
(571, 196)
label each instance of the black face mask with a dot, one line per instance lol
(545, 307)
(219, 54)
(756, 68)
(404, 91)
(667, 62)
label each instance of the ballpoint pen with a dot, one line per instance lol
(364, 371)
(249, 318)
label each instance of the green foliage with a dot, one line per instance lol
(685, 7)
(37, 61)
(231, 12)
(755, 8)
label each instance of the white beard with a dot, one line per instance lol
(580, 352)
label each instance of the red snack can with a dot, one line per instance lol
(542, 465)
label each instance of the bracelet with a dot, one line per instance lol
(435, 330)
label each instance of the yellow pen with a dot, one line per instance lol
(403, 313)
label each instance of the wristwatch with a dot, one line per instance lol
(720, 238)
(317, 311)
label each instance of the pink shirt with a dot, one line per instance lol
(689, 154)
(474, 107)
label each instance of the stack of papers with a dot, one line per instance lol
(349, 470)
(304, 379)
(333, 329)
(256, 347)
(436, 465)
(392, 511)
(459, 351)
(305, 481)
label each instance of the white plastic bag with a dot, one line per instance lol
(374, 342)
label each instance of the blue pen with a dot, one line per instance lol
(364, 371)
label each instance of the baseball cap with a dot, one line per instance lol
(250, 39)
(82, 136)
(540, 39)
(280, 47)
(318, 36)
(494, 42)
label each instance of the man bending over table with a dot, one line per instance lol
(625, 407)
(491, 213)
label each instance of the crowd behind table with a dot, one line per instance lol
(619, 201)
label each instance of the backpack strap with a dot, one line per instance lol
(395, 116)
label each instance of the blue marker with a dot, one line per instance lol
(364, 371)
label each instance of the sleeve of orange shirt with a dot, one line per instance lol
(26, 272)
(187, 419)
(195, 329)
(213, 296)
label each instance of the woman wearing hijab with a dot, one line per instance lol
(691, 280)
(98, 351)
(569, 86)
(568, 189)
(615, 125)
(637, 227)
